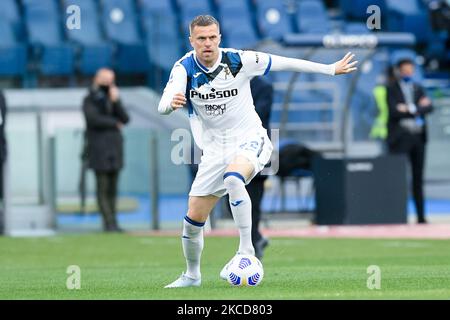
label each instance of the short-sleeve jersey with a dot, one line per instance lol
(220, 97)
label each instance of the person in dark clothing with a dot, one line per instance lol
(407, 127)
(2, 156)
(105, 117)
(262, 93)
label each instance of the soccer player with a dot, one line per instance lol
(214, 84)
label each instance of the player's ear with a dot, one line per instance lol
(220, 38)
(190, 41)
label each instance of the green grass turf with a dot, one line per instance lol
(123, 266)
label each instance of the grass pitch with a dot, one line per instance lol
(123, 266)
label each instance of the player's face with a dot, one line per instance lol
(205, 41)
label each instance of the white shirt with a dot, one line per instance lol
(220, 103)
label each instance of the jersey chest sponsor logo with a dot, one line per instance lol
(215, 109)
(213, 94)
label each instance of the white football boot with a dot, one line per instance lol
(184, 281)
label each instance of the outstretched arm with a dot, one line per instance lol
(342, 66)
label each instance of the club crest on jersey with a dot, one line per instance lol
(215, 109)
(213, 94)
(227, 71)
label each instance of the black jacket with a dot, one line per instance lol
(104, 139)
(396, 133)
(2, 128)
(262, 93)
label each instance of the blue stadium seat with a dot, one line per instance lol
(121, 26)
(189, 9)
(232, 5)
(312, 17)
(95, 51)
(43, 22)
(44, 28)
(13, 55)
(232, 14)
(153, 7)
(120, 21)
(357, 9)
(243, 37)
(162, 32)
(273, 19)
(356, 28)
(409, 16)
(10, 12)
(163, 40)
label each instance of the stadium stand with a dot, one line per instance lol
(312, 17)
(54, 55)
(162, 33)
(231, 14)
(94, 51)
(10, 12)
(356, 28)
(13, 55)
(358, 9)
(121, 24)
(409, 16)
(273, 19)
(144, 36)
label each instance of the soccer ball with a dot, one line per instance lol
(245, 270)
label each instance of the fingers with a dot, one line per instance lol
(347, 55)
(178, 101)
(348, 67)
(349, 58)
(352, 64)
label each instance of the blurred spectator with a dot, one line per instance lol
(105, 118)
(439, 14)
(262, 93)
(379, 129)
(407, 128)
(2, 155)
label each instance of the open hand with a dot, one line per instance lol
(344, 65)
